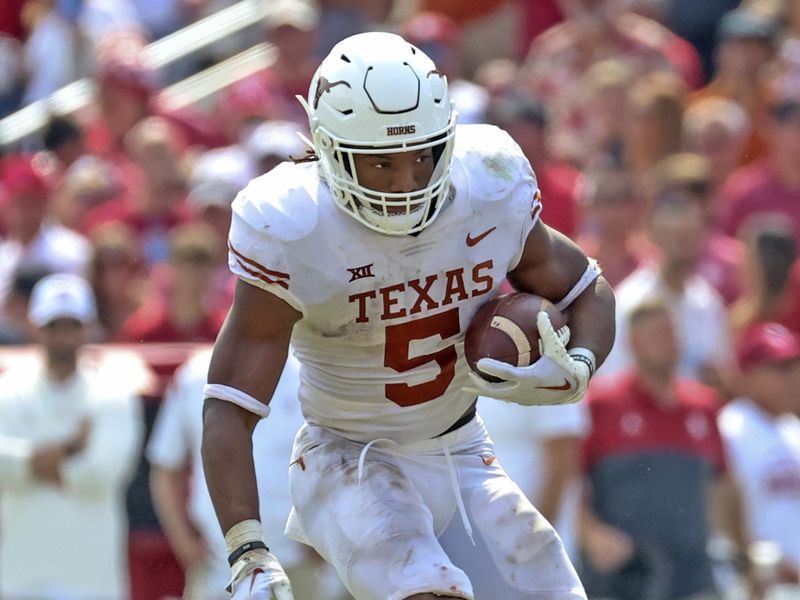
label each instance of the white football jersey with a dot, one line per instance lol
(381, 338)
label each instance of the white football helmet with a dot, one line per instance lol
(375, 94)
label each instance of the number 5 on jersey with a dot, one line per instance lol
(397, 356)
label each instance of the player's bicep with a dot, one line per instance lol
(252, 345)
(551, 263)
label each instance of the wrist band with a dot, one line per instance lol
(244, 549)
(585, 356)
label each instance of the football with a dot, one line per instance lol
(505, 329)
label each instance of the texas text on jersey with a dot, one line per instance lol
(384, 316)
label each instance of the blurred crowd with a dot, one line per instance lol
(665, 136)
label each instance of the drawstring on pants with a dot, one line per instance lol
(451, 472)
(456, 487)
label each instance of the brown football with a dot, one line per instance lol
(505, 329)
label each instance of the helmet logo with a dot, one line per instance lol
(323, 85)
(401, 129)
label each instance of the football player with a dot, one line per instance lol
(372, 257)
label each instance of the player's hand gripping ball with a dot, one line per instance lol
(505, 329)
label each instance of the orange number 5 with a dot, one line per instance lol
(398, 347)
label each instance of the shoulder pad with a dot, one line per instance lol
(281, 203)
(492, 162)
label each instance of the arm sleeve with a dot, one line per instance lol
(113, 448)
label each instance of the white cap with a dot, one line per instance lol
(275, 138)
(300, 14)
(61, 296)
(217, 177)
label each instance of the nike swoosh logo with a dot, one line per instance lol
(471, 241)
(556, 388)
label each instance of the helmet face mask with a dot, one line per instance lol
(377, 94)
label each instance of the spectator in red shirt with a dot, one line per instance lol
(181, 313)
(653, 460)
(561, 184)
(765, 277)
(31, 240)
(612, 231)
(117, 276)
(157, 203)
(771, 185)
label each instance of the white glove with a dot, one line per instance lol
(258, 575)
(255, 573)
(558, 377)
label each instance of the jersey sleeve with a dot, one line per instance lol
(500, 180)
(255, 254)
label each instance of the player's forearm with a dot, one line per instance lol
(592, 320)
(228, 462)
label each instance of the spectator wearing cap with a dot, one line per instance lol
(761, 432)
(32, 241)
(127, 93)
(721, 255)
(272, 143)
(656, 472)
(182, 310)
(561, 185)
(745, 45)
(70, 434)
(772, 184)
